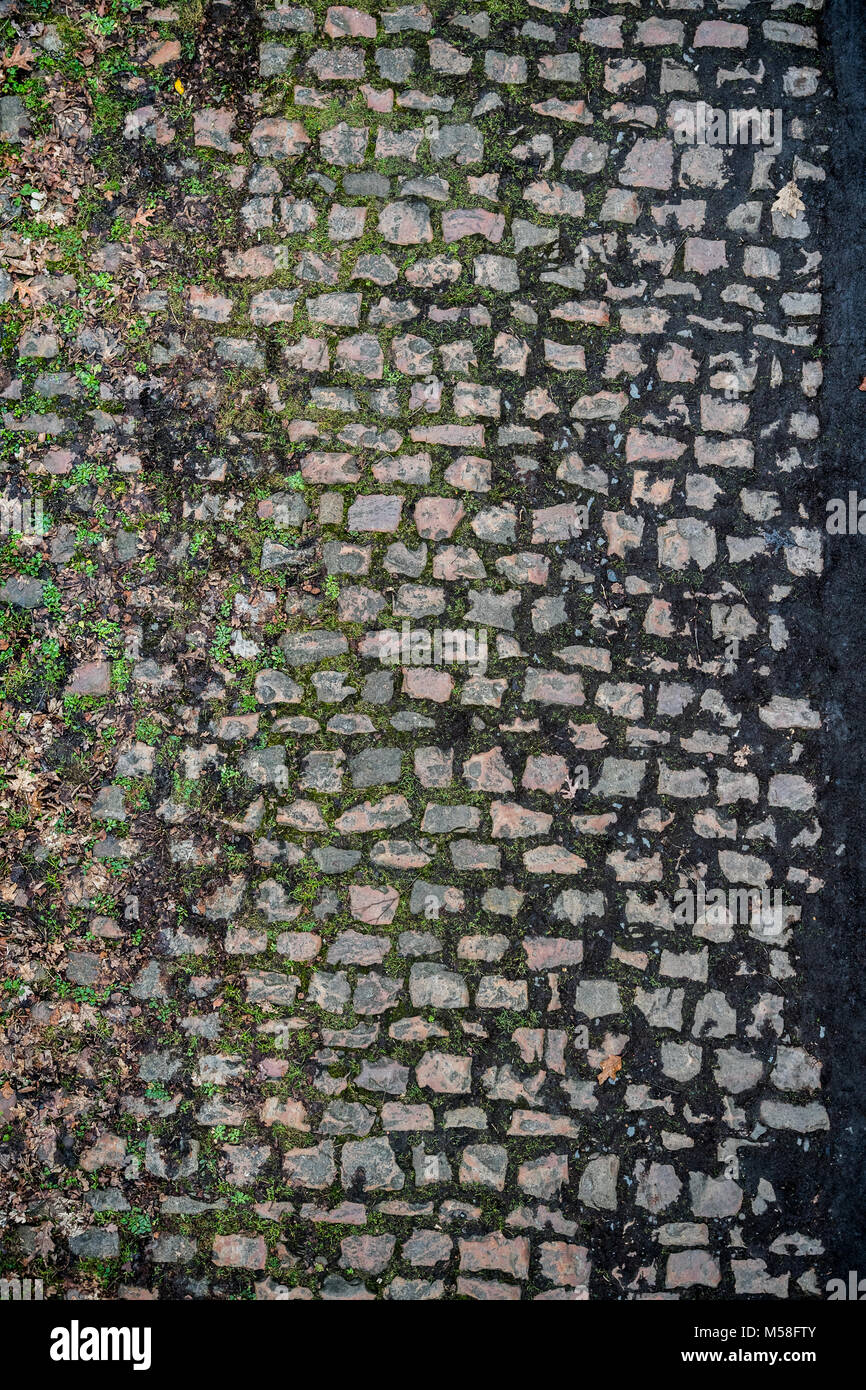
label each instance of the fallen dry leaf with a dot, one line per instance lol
(42, 1242)
(23, 782)
(25, 295)
(19, 58)
(862, 386)
(789, 201)
(609, 1068)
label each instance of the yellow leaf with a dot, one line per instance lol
(178, 86)
(609, 1068)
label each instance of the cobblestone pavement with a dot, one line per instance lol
(411, 793)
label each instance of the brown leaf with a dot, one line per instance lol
(142, 218)
(862, 386)
(19, 58)
(25, 294)
(23, 782)
(42, 1242)
(609, 1068)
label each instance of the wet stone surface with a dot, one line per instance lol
(403, 705)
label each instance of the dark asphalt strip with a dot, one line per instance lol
(834, 950)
